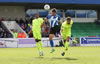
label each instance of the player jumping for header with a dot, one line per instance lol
(53, 19)
(66, 33)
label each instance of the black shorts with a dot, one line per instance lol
(55, 30)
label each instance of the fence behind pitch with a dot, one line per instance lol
(25, 42)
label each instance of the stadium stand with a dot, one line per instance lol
(79, 29)
(4, 33)
(12, 27)
(85, 29)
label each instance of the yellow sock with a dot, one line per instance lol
(66, 44)
(38, 46)
(41, 48)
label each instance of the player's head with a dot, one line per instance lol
(54, 11)
(36, 15)
(68, 20)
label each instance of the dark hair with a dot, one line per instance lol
(54, 10)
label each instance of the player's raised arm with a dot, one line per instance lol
(29, 31)
(32, 28)
(61, 29)
(45, 20)
(59, 18)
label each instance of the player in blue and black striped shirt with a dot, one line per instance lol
(53, 19)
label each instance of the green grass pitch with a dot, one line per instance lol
(75, 55)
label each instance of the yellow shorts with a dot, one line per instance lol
(65, 35)
(37, 35)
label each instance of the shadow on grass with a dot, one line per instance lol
(39, 57)
(66, 58)
(57, 58)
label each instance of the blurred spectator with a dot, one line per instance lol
(43, 32)
(2, 19)
(21, 21)
(8, 35)
(28, 28)
(23, 26)
(46, 30)
(4, 34)
(16, 20)
(23, 35)
(19, 35)
(30, 33)
(1, 32)
(26, 22)
(15, 34)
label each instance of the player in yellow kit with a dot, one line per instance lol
(37, 23)
(66, 33)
